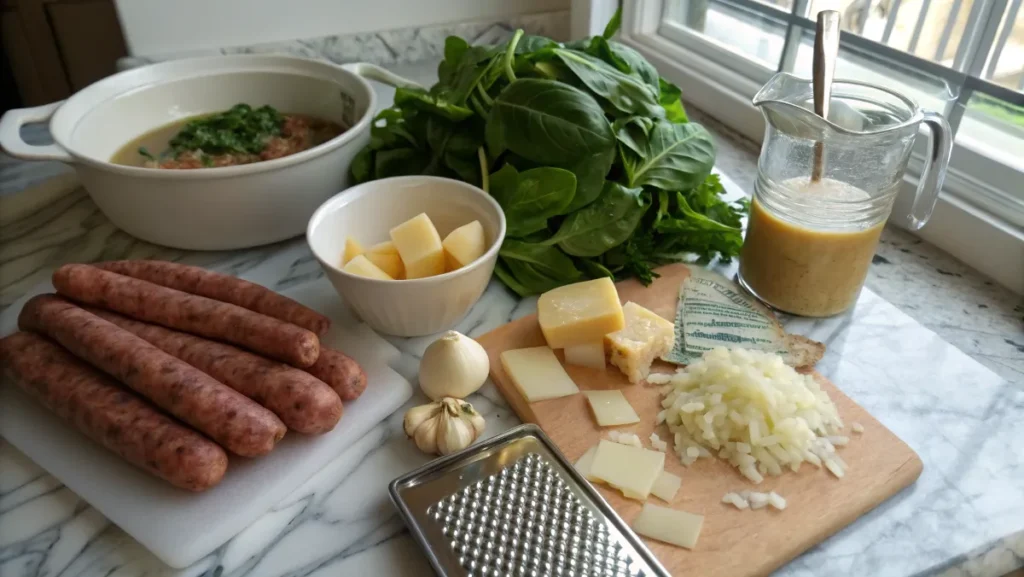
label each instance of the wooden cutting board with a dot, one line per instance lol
(733, 543)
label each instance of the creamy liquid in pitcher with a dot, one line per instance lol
(808, 271)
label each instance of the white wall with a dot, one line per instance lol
(154, 27)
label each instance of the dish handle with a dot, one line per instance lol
(13, 144)
(382, 75)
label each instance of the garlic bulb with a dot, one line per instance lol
(444, 426)
(453, 366)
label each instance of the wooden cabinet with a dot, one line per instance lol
(57, 47)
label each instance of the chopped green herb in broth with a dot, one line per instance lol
(241, 129)
(241, 135)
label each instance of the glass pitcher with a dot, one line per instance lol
(809, 243)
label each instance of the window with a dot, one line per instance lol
(962, 58)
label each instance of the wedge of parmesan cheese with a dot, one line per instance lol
(645, 337)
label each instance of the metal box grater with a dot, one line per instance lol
(513, 505)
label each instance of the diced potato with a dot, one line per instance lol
(352, 250)
(419, 245)
(464, 245)
(362, 266)
(389, 262)
(386, 247)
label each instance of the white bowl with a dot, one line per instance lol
(209, 208)
(367, 213)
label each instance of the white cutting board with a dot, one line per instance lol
(181, 527)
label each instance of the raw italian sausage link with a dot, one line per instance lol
(305, 403)
(105, 412)
(235, 422)
(221, 287)
(341, 372)
(198, 315)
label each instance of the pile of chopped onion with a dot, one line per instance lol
(754, 411)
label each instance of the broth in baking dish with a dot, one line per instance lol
(241, 135)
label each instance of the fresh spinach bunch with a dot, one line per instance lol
(586, 148)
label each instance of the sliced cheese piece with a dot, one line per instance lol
(585, 462)
(386, 247)
(362, 266)
(389, 262)
(537, 374)
(666, 486)
(590, 355)
(352, 250)
(420, 247)
(579, 313)
(629, 469)
(645, 337)
(611, 408)
(464, 245)
(674, 527)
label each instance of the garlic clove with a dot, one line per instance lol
(427, 433)
(415, 417)
(453, 366)
(476, 420)
(453, 434)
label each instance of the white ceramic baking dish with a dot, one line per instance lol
(210, 208)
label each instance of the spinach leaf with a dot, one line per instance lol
(625, 59)
(453, 148)
(530, 198)
(460, 154)
(547, 122)
(626, 128)
(399, 162)
(603, 224)
(505, 275)
(675, 157)
(544, 191)
(390, 129)
(614, 24)
(532, 277)
(594, 269)
(454, 48)
(670, 98)
(434, 104)
(362, 166)
(538, 267)
(535, 47)
(625, 93)
(590, 172)
(467, 169)
(504, 183)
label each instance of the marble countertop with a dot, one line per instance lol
(964, 516)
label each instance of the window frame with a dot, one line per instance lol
(978, 216)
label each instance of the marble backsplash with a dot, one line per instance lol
(390, 47)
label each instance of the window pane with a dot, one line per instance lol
(1005, 63)
(754, 36)
(930, 29)
(930, 92)
(996, 129)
